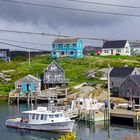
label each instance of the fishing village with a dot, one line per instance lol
(112, 98)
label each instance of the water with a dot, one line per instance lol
(84, 131)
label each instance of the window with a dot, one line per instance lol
(106, 51)
(45, 117)
(71, 46)
(41, 117)
(71, 52)
(33, 116)
(127, 50)
(19, 86)
(112, 83)
(54, 53)
(62, 53)
(37, 116)
(56, 115)
(51, 116)
(118, 51)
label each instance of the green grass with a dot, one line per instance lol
(75, 69)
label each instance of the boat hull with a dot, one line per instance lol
(57, 126)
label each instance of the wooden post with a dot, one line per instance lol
(94, 116)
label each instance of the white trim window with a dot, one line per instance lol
(71, 46)
(106, 51)
(64, 45)
(19, 86)
(71, 52)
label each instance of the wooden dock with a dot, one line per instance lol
(44, 95)
(128, 114)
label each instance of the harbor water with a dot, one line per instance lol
(84, 131)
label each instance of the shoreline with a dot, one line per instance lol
(3, 97)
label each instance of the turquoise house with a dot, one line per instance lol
(69, 47)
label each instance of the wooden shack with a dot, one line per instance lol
(130, 88)
(54, 76)
(27, 84)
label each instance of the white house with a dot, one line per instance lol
(116, 47)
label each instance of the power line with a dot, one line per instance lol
(47, 34)
(73, 9)
(33, 33)
(25, 42)
(19, 46)
(105, 4)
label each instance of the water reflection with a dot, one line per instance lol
(84, 130)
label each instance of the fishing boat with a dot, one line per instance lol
(42, 119)
(87, 104)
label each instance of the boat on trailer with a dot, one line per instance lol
(42, 119)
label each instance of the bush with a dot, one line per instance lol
(69, 136)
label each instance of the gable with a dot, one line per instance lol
(121, 71)
(114, 44)
(28, 78)
(53, 67)
(136, 79)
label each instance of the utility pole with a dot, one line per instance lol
(29, 59)
(108, 77)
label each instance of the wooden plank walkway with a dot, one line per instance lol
(124, 113)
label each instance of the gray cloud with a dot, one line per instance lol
(40, 19)
(56, 17)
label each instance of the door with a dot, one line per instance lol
(32, 87)
(24, 88)
(111, 51)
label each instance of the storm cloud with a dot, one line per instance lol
(77, 23)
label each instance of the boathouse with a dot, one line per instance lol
(130, 88)
(54, 76)
(118, 76)
(29, 83)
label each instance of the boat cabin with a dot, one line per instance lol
(86, 104)
(42, 115)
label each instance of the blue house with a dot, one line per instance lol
(69, 47)
(5, 54)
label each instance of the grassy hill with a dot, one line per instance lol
(75, 69)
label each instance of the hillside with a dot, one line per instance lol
(75, 69)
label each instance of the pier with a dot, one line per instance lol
(126, 114)
(53, 93)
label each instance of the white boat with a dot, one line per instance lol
(87, 104)
(42, 119)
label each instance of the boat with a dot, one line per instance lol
(87, 104)
(42, 119)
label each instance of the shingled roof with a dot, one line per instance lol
(136, 78)
(65, 40)
(114, 44)
(121, 71)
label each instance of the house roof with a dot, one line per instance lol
(136, 78)
(91, 48)
(114, 44)
(52, 64)
(121, 71)
(28, 78)
(65, 40)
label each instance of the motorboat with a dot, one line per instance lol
(87, 104)
(42, 119)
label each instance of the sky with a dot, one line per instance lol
(31, 18)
